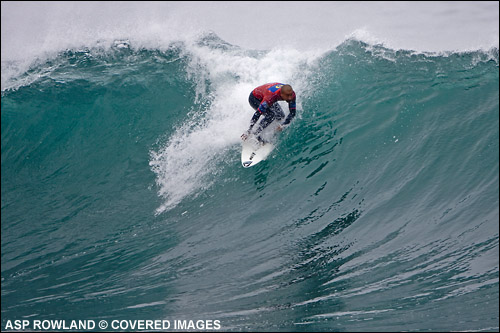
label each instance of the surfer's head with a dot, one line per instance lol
(287, 93)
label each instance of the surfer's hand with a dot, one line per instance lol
(244, 136)
(279, 128)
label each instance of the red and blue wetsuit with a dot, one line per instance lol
(263, 100)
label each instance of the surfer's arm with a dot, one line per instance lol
(261, 110)
(293, 109)
(263, 107)
(254, 119)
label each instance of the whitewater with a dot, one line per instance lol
(123, 196)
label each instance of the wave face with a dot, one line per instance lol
(123, 196)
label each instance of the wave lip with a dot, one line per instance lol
(51, 27)
(32, 31)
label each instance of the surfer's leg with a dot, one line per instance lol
(274, 112)
(278, 111)
(268, 118)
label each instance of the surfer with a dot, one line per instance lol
(263, 100)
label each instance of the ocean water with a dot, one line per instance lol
(123, 196)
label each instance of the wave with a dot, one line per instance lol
(379, 199)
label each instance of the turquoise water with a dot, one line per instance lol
(123, 196)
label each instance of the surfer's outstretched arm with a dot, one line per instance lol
(254, 119)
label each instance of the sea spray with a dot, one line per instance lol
(223, 78)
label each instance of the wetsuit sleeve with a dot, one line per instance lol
(263, 107)
(261, 110)
(293, 109)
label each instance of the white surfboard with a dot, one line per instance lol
(253, 152)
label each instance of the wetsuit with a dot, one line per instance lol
(263, 100)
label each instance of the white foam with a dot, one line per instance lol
(185, 165)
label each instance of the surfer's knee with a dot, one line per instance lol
(269, 117)
(278, 111)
